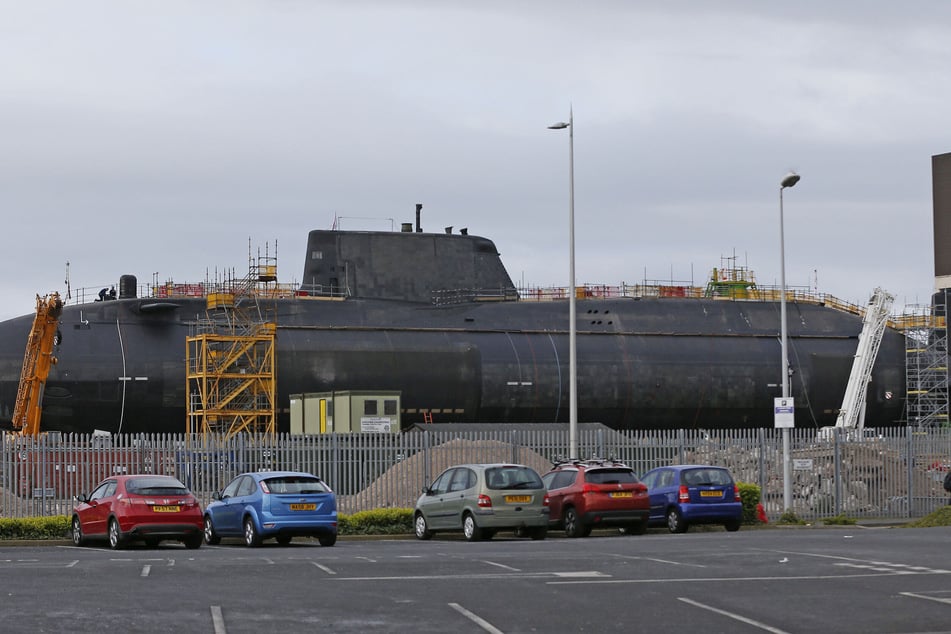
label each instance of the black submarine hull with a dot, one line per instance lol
(648, 363)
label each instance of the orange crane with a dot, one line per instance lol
(36, 365)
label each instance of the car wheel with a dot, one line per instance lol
(470, 529)
(78, 539)
(732, 526)
(193, 542)
(283, 540)
(637, 528)
(327, 540)
(251, 537)
(115, 534)
(675, 521)
(422, 529)
(210, 535)
(573, 527)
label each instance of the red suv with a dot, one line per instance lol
(585, 494)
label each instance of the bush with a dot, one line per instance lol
(389, 521)
(750, 495)
(789, 517)
(54, 527)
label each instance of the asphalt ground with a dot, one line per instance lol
(842, 579)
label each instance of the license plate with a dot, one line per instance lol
(622, 494)
(711, 494)
(166, 509)
(518, 499)
(303, 507)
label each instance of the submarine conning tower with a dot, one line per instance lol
(402, 265)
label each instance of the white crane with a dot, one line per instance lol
(852, 413)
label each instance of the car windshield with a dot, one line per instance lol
(610, 476)
(707, 477)
(155, 486)
(511, 477)
(294, 484)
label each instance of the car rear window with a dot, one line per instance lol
(512, 477)
(610, 476)
(295, 485)
(698, 477)
(155, 486)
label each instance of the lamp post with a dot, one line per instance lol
(572, 330)
(789, 180)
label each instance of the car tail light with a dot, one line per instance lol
(546, 501)
(591, 488)
(640, 487)
(736, 493)
(484, 500)
(264, 487)
(684, 495)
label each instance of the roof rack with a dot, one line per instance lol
(593, 461)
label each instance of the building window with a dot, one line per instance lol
(369, 408)
(389, 407)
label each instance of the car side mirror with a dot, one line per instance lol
(427, 491)
(216, 495)
(82, 497)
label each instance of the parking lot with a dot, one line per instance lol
(797, 580)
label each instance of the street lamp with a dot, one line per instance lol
(572, 330)
(789, 180)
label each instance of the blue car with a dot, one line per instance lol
(682, 495)
(278, 504)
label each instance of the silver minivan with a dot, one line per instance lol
(482, 499)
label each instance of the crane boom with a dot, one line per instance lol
(36, 364)
(851, 414)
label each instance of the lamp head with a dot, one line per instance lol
(789, 180)
(561, 125)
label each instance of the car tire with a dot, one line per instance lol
(78, 539)
(327, 540)
(675, 521)
(732, 526)
(573, 526)
(283, 540)
(193, 542)
(115, 534)
(251, 536)
(637, 528)
(470, 529)
(211, 537)
(421, 527)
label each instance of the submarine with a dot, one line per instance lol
(436, 318)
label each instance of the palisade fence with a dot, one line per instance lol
(896, 473)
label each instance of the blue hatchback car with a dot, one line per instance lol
(682, 495)
(278, 504)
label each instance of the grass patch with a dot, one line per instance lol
(941, 517)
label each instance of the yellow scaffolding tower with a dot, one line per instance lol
(230, 357)
(926, 363)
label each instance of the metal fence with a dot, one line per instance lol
(895, 473)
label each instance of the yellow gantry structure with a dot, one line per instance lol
(231, 369)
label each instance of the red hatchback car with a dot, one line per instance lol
(585, 494)
(146, 507)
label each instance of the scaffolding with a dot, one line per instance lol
(230, 356)
(926, 363)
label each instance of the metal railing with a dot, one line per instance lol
(893, 473)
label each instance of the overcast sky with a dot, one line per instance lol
(164, 139)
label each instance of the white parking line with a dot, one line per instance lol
(145, 571)
(736, 617)
(924, 596)
(492, 563)
(475, 618)
(217, 620)
(324, 568)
